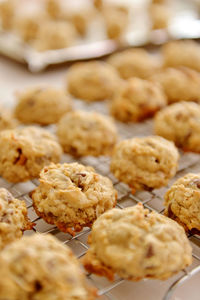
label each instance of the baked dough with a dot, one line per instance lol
(7, 120)
(13, 218)
(145, 163)
(180, 123)
(42, 105)
(84, 133)
(179, 84)
(136, 100)
(25, 151)
(72, 196)
(92, 81)
(40, 267)
(134, 63)
(182, 202)
(137, 244)
(159, 15)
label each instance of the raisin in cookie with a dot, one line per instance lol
(42, 105)
(145, 163)
(25, 151)
(87, 133)
(92, 81)
(137, 244)
(180, 123)
(182, 202)
(182, 53)
(134, 63)
(136, 100)
(72, 196)
(13, 218)
(40, 267)
(7, 120)
(179, 84)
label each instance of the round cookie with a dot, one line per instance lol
(72, 196)
(25, 151)
(182, 53)
(179, 84)
(55, 35)
(137, 244)
(179, 123)
(182, 202)
(42, 105)
(92, 81)
(7, 120)
(136, 100)
(84, 133)
(134, 63)
(13, 218)
(40, 267)
(145, 163)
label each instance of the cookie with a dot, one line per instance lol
(7, 120)
(136, 244)
(182, 202)
(116, 19)
(72, 196)
(159, 15)
(92, 81)
(136, 100)
(42, 105)
(98, 4)
(25, 151)
(182, 53)
(40, 267)
(179, 123)
(55, 35)
(145, 163)
(84, 133)
(13, 218)
(179, 84)
(53, 9)
(7, 14)
(134, 63)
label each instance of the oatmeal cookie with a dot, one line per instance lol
(137, 244)
(92, 81)
(182, 53)
(42, 105)
(136, 100)
(134, 63)
(72, 196)
(159, 15)
(84, 133)
(179, 123)
(182, 202)
(145, 163)
(179, 84)
(55, 35)
(13, 218)
(7, 14)
(7, 120)
(25, 151)
(41, 267)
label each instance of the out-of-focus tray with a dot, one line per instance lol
(184, 24)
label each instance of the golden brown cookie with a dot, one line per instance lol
(84, 133)
(25, 151)
(182, 202)
(13, 218)
(159, 15)
(145, 163)
(40, 267)
(42, 105)
(137, 99)
(92, 81)
(7, 14)
(134, 63)
(72, 196)
(136, 244)
(179, 123)
(7, 120)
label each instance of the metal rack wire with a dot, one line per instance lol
(153, 200)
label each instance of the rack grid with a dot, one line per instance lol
(153, 200)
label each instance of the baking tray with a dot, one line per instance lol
(121, 289)
(184, 24)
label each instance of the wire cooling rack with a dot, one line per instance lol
(146, 289)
